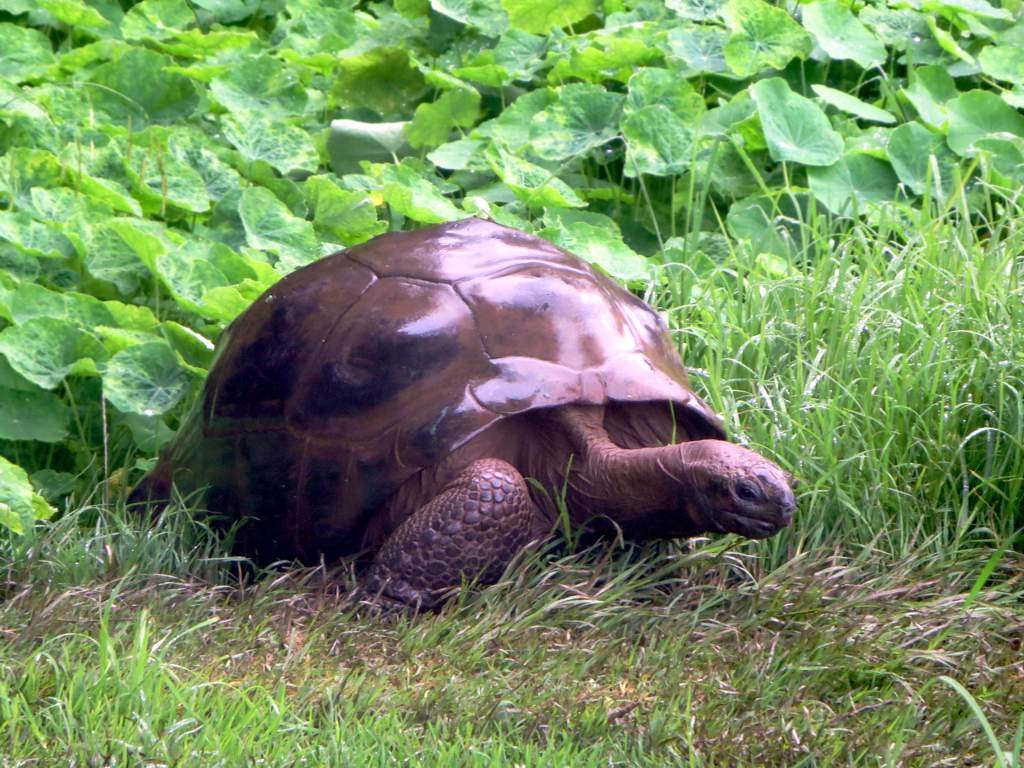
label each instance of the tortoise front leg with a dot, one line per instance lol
(470, 530)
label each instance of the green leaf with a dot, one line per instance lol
(32, 415)
(139, 76)
(161, 177)
(20, 506)
(701, 48)
(74, 13)
(219, 178)
(1006, 156)
(157, 20)
(26, 52)
(978, 114)
(32, 237)
(763, 36)
(840, 33)
(597, 57)
(262, 85)
(228, 11)
(483, 15)
(1003, 62)
(316, 32)
(350, 142)
(432, 123)
(29, 300)
(190, 270)
(597, 239)
(270, 226)
(794, 127)
(851, 185)
(283, 146)
(46, 349)
(652, 86)
(359, 79)
(898, 28)
(414, 196)
(347, 215)
(150, 433)
(582, 117)
(658, 142)
(458, 155)
(697, 10)
(536, 186)
(972, 7)
(948, 43)
(542, 16)
(110, 258)
(930, 89)
(853, 105)
(52, 484)
(146, 379)
(756, 219)
(511, 128)
(918, 154)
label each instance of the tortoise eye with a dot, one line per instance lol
(747, 491)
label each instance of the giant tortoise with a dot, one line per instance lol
(393, 400)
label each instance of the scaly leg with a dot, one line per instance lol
(471, 530)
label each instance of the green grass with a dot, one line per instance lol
(694, 654)
(883, 629)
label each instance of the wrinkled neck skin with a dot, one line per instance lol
(645, 491)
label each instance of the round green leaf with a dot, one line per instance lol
(359, 79)
(582, 117)
(139, 76)
(432, 123)
(157, 20)
(260, 84)
(911, 149)
(794, 127)
(534, 185)
(597, 239)
(32, 415)
(841, 34)
(270, 226)
(898, 28)
(651, 86)
(26, 52)
(763, 37)
(697, 10)
(281, 145)
(1003, 62)
(701, 48)
(46, 349)
(979, 114)
(852, 184)
(20, 506)
(346, 214)
(930, 90)
(414, 196)
(162, 177)
(541, 16)
(146, 379)
(658, 142)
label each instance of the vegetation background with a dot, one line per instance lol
(824, 198)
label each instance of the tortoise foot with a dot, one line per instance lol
(468, 532)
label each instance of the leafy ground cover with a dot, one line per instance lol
(824, 200)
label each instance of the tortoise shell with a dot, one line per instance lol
(354, 373)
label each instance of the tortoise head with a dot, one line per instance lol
(737, 490)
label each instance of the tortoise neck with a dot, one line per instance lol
(655, 487)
